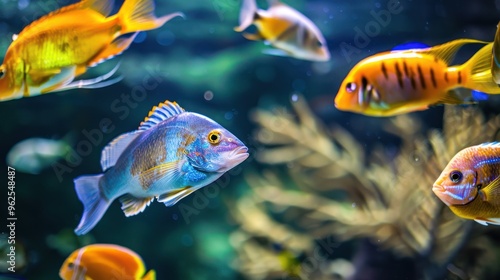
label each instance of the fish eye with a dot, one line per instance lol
(2, 72)
(350, 87)
(71, 265)
(214, 137)
(319, 44)
(456, 176)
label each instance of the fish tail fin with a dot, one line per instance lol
(94, 203)
(479, 67)
(248, 13)
(151, 275)
(138, 15)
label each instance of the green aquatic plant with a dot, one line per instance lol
(336, 190)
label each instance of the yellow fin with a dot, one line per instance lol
(495, 58)
(138, 15)
(447, 51)
(134, 205)
(174, 196)
(160, 113)
(479, 67)
(491, 192)
(151, 275)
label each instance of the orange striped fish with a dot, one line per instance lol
(52, 51)
(399, 82)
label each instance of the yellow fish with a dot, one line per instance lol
(52, 51)
(104, 261)
(495, 57)
(398, 82)
(289, 31)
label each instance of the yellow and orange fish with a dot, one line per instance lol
(289, 31)
(399, 82)
(52, 51)
(470, 184)
(104, 261)
(495, 57)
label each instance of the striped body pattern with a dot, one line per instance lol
(399, 82)
(171, 155)
(469, 183)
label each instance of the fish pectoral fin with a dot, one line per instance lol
(482, 222)
(491, 192)
(39, 77)
(174, 196)
(166, 172)
(98, 82)
(452, 97)
(115, 148)
(115, 48)
(132, 205)
(253, 36)
(160, 113)
(276, 52)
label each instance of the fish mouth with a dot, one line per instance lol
(235, 157)
(440, 191)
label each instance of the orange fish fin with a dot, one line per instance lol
(160, 113)
(115, 48)
(447, 51)
(174, 196)
(479, 67)
(451, 97)
(39, 77)
(151, 275)
(138, 15)
(104, 7)
(132, 205)
(254, 36)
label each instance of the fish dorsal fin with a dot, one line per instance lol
(115, 148)
(174, 196)
(447, 51)
(491, 144)
(273, 3)
(104, 7)
(160, 113)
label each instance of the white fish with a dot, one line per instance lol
(289, 31)
(35, 154)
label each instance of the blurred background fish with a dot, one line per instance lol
(404, 81)
(292, 33)
(470, 184)
(104, 261)
(33, 155)
(52, 51)
(171, 155)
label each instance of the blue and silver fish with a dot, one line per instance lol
(171, 155)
